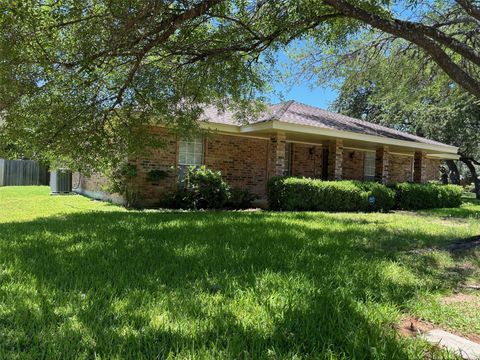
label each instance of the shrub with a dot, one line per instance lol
(289, 193)
(240, 198)
(384, 197)
(304, 194)
(410, 196)
(201, 188)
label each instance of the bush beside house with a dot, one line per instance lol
(304, 194)
(203, 188)
(384, 196)
(426, 196)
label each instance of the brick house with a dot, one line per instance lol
(289, 139)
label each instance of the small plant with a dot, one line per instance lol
(157, 175)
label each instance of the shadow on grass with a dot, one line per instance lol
(253, 285)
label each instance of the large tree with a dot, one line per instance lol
(78, 78)
(400, 88)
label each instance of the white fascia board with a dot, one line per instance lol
(444, 156)
(268, 125)
(306, 129)
(220, 127)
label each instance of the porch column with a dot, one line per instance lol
(420, 167)
(381, 164)
(276, 155)
(335, 159)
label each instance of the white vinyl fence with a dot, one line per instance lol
(22, 172)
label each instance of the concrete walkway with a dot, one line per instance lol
(465, 348)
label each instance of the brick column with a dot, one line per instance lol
(381, 164)
(420, 167)
(335, 159)
(276, 155)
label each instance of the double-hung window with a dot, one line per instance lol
(369, 166)
(190, 152)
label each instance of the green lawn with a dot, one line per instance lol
(84, 279)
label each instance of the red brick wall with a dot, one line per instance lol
(400, 168)
(242, 161)
(94, 186)
(352, 164)
(433, 169)
(304, 163)
(277, 147)
(163, 158)
(335, 159)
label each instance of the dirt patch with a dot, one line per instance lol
(460, 298)
(411, 327)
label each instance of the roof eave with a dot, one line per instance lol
(220, 127)
(444, 156)
(306, 129)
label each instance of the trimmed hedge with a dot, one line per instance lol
(410, 196)
(384, 196)
(304, 194)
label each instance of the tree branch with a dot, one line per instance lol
(470, 9)
(414, 34)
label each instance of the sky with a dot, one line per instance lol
(313, 94)
(302, 90)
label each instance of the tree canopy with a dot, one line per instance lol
(79, 78)
(399, 88)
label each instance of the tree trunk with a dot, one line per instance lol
(454, 173)
(473, 171)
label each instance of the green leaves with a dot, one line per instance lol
(79, 80)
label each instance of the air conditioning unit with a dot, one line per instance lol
(61, 181)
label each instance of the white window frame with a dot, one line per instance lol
(369, 160)
(191, 151)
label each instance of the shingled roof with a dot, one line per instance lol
(293, 112)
